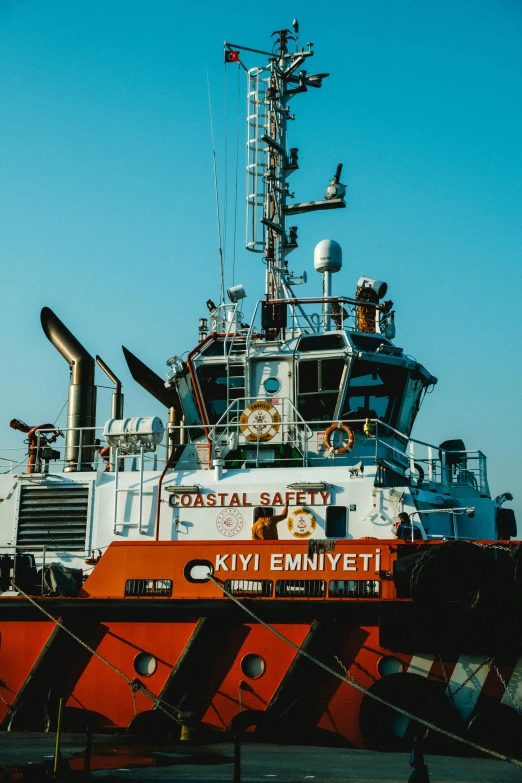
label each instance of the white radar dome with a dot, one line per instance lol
(328, 256)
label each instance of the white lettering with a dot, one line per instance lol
(221, 562)
(245, 559)
(293, 563)
(321, 561)
(378, 560)
(256, 562)
(276, 562)
(366, 559)
(334, 559)
(234, 563)
(350, 563)
(310, 561)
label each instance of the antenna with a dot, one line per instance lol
(270, 88)
(220, 245)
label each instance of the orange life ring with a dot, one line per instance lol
(349, 434)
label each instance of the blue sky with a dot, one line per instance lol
(107, 201)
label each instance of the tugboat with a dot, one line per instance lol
(280, 551)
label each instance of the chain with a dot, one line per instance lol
(345, 670)
(351, 681)
(452, 694)
(443, 669)
(507, 689)
(501, 547)
(240, 698)
(358, 665)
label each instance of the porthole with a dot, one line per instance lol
(388, 664)
(272, 385)
(198, 571)
(145, 664)
(253, 666)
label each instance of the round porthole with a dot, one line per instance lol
(253, 666)
(389, 665)
(145, 664)
(272, 385)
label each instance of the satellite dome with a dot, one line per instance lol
(328, 256)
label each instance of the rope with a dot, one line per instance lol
(359, 688)
(135, 684)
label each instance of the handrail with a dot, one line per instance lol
(386, 443)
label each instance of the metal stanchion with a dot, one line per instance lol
(420, 772)
(58, 739)
(237, 758)
(87, 755)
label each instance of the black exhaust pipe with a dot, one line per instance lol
(81, 412)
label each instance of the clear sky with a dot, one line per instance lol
(107, 208)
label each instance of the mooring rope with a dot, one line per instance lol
(135, 684)
(360, 688)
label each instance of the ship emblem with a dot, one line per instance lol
(301, 523)
(229, 522)
(260, 421)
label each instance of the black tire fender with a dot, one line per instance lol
(497, 727)
(384, 728)
(30, 717)
(154, 725)
(449, 580)
(248, 719)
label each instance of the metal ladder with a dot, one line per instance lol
(236, 370)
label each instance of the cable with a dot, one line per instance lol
(220, 245)
(135, 684)
(225, 200)
(63, 406)
(236, 176)
(359, 688)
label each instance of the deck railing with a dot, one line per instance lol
(298, 443)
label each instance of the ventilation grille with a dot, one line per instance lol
(249, 587)
(300, 588)
(151, 587)
(53, 516)
(356, 588)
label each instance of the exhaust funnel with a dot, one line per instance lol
(81, 412)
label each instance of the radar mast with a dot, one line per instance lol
(270, 88)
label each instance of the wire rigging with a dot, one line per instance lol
(216, 188)
(236, 178)
(225, 198)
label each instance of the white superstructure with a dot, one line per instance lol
(306, 400)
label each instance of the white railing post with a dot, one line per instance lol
(140, 495)
(116, 476)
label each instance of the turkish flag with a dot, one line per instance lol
(231, 57)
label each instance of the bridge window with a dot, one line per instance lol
(213, 381)
(336, 522)
(318, 388)
(411, 405)
(375, 391)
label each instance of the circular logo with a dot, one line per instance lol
(260, 421)
(229, 522)
(301, 523)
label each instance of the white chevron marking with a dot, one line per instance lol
(467, 696)
(421, 664)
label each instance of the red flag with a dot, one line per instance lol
(231, 57)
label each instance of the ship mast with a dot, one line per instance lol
(269, 161)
